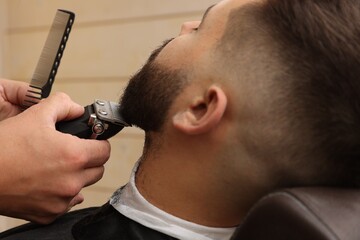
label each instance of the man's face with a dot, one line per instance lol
(152, 90)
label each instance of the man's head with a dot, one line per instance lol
(272, 82)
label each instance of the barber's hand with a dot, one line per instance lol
(42, 170)
(12, 94)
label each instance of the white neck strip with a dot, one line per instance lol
(129, 202)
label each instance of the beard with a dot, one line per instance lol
(150, 93)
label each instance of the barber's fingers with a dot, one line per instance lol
(92, 175)
(14, 91)
(58, 107)
(79, 198)
(54, 208)
(96, 152)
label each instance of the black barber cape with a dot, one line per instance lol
(103, 223)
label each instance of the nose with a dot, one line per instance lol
(188, 27)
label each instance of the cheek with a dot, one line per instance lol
(179, 53)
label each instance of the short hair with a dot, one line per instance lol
(320, 42)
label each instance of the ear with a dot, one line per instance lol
(203, 114)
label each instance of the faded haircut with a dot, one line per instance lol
(323, 38)
(320, 43)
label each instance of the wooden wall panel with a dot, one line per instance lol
(36, 13)
(99, 51)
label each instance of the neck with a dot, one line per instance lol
(186, 180)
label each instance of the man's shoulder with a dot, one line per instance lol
(109, 224)
(103, 223)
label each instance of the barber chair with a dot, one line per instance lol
(304, 214)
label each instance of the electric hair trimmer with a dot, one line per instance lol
(101, 120)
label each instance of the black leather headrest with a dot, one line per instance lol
(304, 214)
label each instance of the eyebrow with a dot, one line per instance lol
(205, 14)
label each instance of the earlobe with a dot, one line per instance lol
(203, 114)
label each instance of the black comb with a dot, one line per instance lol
(47, 66)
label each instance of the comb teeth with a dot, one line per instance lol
(32, 97)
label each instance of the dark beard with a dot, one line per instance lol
(150, 93)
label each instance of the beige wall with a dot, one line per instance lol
(110, 40)
(3, 26)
